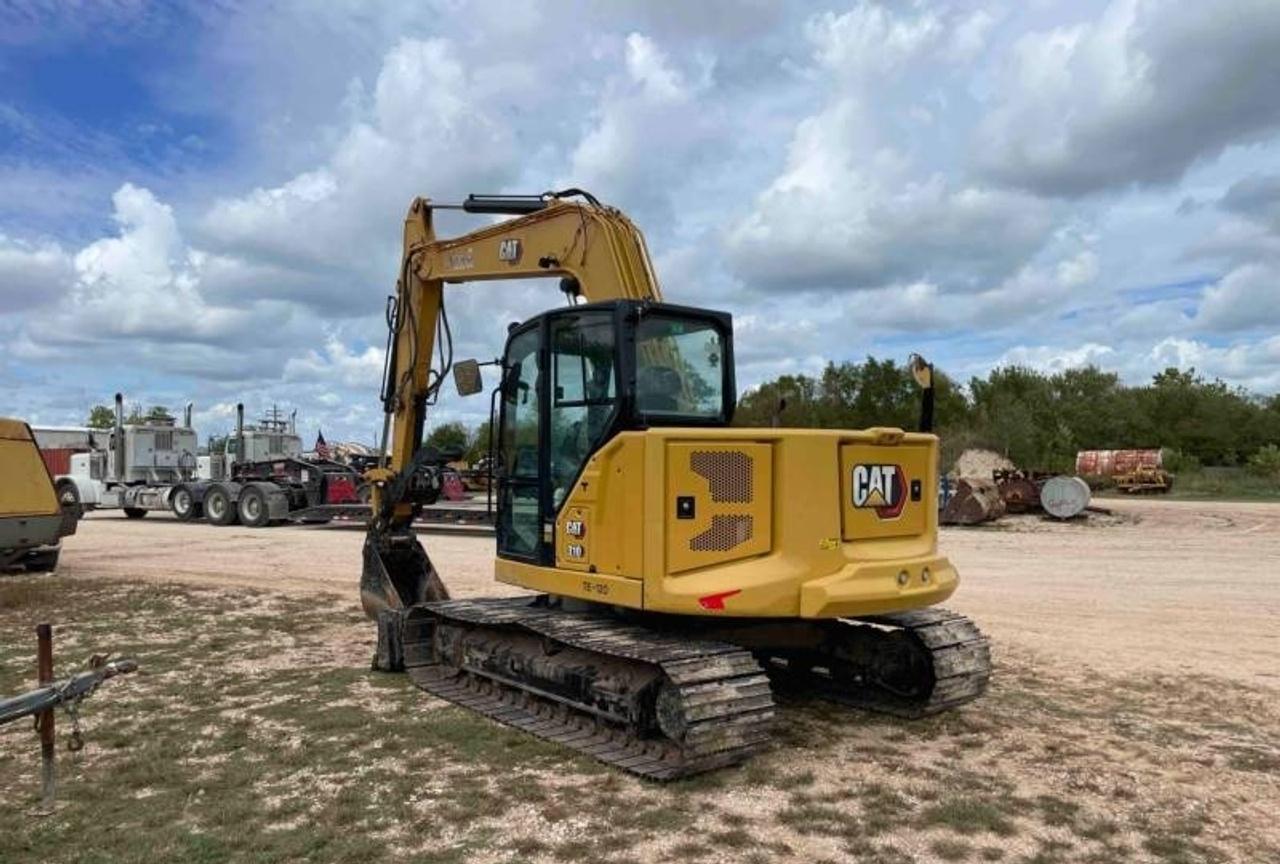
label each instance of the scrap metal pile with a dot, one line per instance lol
(972, 500)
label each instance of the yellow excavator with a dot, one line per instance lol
(680, 569)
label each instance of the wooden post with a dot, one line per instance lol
(44, 670)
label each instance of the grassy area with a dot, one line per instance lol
(1230, 484)
(256, 733)
(1215, 484)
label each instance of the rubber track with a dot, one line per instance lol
(726, 697)
(961, 657)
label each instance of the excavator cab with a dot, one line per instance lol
(574, 378)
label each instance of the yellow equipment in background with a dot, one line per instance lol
(32, 521)
(681, 565)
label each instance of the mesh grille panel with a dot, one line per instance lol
(725, 532)
(728, 472)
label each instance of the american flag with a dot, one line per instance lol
(321, 448)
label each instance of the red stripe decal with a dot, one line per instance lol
(716, 601)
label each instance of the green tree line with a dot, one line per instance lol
(456, 437)
(1037, 420)
(104, 416)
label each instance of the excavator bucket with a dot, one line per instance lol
(397, 574)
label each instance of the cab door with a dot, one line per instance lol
(522, 448)
(559, 404)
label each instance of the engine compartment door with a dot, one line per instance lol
(719, 500)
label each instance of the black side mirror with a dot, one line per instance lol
(466, 377)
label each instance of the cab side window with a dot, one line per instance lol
(584, 394)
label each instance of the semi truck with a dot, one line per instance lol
(260, 477)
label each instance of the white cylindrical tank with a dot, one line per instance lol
(1064, 497)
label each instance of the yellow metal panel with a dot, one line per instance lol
(873, 588)
(727, 492)
(883, 490)
(571, 583)
(801, 487)
(573, 539)
(605, 503)
(25, 486)
(14, 430)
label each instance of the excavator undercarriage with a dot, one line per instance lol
(652, 695)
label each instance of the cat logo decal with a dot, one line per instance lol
(882, 488)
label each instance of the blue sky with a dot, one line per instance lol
(202, 202)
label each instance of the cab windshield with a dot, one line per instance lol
(679, 367)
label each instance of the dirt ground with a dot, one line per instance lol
(1167, 586)
(1133, 716)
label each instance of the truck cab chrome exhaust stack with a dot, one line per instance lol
(118, 442)
(239, 455)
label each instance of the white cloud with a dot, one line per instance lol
(650, 129)
(875, 179)
(870, 40)
(1049, 359)
(847, 213)
(1135, 97)
(1246, 298)
(649, 67)
(32, 274)
(971, 34)
(1254, 365)
(432, 126)
(145, 282)
(338, 364)
(1079, 270)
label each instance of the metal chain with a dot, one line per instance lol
(75, 741)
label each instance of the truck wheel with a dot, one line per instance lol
(69, 498)
(43, 561)
(253, 507)
(218, 509)
(134, 512)
(184, 505)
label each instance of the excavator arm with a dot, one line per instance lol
(597, 252)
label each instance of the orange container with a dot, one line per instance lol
(1106, 463)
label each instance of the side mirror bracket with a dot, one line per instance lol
(922, 372)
